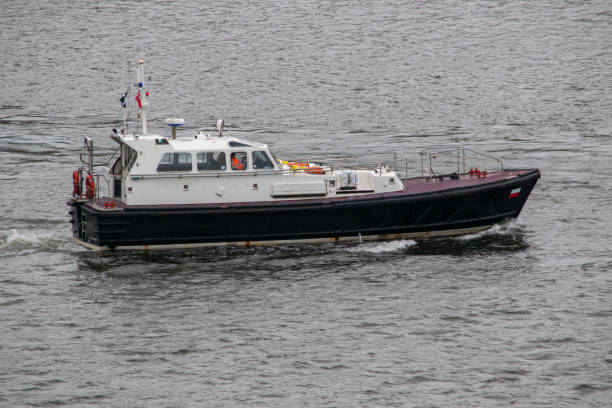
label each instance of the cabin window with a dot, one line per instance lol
(262, 161)
(128, 157)
(175, 162)
(131, 157)
(116, 169)
(239, 161)
(237, 144)
(276, 159)
(211, 161)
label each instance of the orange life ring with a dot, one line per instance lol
(314, 170)
(76, 183)
(91, 187)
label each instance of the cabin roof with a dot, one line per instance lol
(201, 141)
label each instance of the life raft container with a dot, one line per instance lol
(91, 187)
(76, 183)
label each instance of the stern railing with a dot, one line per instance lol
(87, 158)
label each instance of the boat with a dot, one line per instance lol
(214, 189)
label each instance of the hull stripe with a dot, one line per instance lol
(426, 234)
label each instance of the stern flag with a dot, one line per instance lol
(122, 99)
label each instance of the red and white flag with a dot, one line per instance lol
(515, 193)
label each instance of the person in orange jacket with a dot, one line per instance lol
(236, 164)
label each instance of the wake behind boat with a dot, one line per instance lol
(211, 190)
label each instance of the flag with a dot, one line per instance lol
(138, 100)
(515, 193)
(122, 99)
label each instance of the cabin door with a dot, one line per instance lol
(117, 188)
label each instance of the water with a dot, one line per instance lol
(520, 315)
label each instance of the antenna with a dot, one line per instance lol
(126, 110)
(220, 124)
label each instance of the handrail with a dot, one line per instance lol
(96, 176)
(381, 162)
(108, 190)
(457, 153)
(372, 161)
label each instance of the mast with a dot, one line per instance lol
(142, 97)
(125, 102)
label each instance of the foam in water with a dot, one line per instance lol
(18, 239)
(380, 247)
(497, 229)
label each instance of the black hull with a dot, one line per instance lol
(448, 211)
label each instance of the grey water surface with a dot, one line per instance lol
(517, 316)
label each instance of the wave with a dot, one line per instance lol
(381, 247)
(508, 229)
(14, 240)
